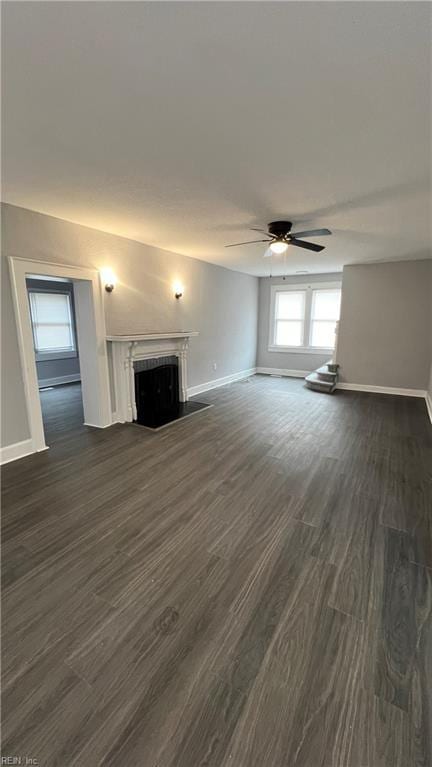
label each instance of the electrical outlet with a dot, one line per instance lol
(214, 366)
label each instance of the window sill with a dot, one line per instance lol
(299, 349)
(45, 356)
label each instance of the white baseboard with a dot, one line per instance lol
(355, 387)
(98, 426)
(382, 389)
(59, 380)
(193, 390)
(284, 372)
(429, 405)
(17, 450)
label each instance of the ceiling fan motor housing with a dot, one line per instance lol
(279, 229)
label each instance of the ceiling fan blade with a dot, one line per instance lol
(312, 233)
(251, 242)
(263, 231)
(307, 245)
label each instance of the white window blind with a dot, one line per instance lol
(289, 318)
(324, 316)
(52, 322)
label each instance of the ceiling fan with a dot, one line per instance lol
(279, 237)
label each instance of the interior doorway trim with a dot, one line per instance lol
(91, 341)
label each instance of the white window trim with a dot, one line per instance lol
(305, 349)
(59, 354)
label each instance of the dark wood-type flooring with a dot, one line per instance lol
(249, 587)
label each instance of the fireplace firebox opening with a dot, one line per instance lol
(157, 393)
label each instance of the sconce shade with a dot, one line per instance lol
(178, 289)
(109, 279)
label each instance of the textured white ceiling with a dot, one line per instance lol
(183, 124)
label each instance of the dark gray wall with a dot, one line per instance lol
(385, 334)
(286, 360)
(49, 370)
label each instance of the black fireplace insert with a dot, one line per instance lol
(157, 395)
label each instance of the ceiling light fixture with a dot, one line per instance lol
(278, 247)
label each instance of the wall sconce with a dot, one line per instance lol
(109, 279)
(178, 289)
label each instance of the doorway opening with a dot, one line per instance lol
(53, 318)
(62, 341)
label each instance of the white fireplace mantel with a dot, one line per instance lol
(153, 336)
(124, 350)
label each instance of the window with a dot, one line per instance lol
(53, 330)
(304, 317)
(324, 316)
(289, 315)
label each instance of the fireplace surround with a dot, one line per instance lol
(128, 354)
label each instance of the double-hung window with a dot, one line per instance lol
(325, 310)
(52, 322)
(304, 318)
(289, 317)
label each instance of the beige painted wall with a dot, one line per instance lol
(286, 360)
(219, 303)
(385, 335)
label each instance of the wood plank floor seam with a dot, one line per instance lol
(252, 588)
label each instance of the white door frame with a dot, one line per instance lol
(96, 390)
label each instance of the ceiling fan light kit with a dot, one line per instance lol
(278, 237)
(278, 247)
